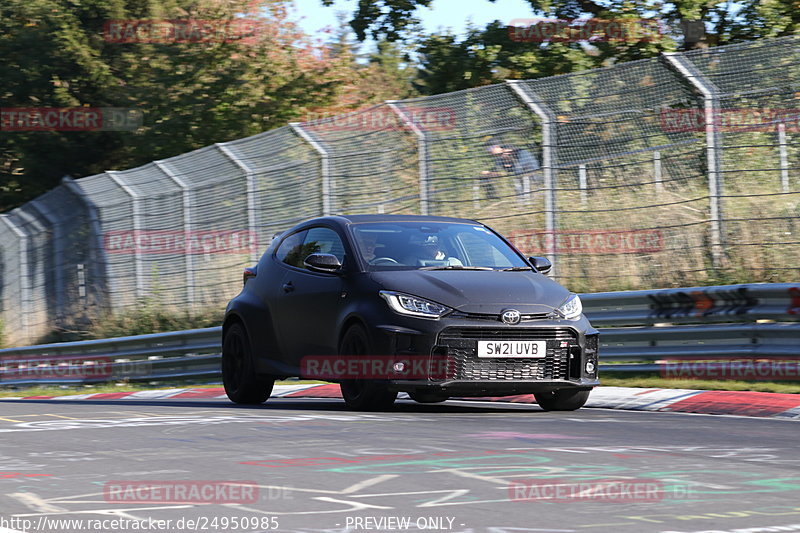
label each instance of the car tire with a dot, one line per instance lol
(242, 384)
(562, 399)
(363, 394)
(427, 397)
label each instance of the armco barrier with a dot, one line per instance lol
(737, 322)
(189, 354)
(779, 302)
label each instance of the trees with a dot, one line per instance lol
(192, 92)
(490, 54)
(725, 21)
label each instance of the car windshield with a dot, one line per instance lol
(433, 246)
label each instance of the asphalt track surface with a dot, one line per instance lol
(312, 465)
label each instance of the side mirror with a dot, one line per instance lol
(325, 263)
(541, 264)
(249, 273)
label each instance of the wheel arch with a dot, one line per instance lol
(230, 319)
(349, 322)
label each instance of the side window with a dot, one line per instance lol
(291, 249)
(324, 241)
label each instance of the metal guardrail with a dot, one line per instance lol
(716, 342)
(724, 323)
(189, 354)
(779, 302)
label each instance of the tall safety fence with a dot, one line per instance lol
(673, 171)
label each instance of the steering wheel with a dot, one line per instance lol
(382, 261)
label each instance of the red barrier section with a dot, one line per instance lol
(746, 403)
(319, 391)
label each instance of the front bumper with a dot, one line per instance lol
(489, 388)
(570, 345)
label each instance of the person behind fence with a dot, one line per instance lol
(511, 161)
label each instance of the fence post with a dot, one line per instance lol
(711, 96)
(137, 222)
(549, 163)
(784, 157)
(186, 194)
(251, 196)
(24, 277)
(657, 171)
(325, 171)
(422, 154)
(582, 183)
(97, 256)
(58, 253)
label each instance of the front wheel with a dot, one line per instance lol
(362, 394)
(242, 385)
(562, 399)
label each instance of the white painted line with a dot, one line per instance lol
(155, 394)
(637, 399)
(282, 390)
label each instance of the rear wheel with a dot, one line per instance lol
(363, 394)
(562, 399)
(242, 385)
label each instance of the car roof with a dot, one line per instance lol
(346, 220)
(356, 219)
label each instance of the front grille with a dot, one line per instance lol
(525, 317)
(460, 345)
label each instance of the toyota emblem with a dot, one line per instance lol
(510, 316)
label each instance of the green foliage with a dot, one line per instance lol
(151, 316)
(490, 54)
(610, 378)
(726, 22)
(53, 53)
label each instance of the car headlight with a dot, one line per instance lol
(405, 304)
(572, 308)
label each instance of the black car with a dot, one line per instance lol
(433, 306)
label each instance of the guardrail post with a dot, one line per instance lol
(251, 195)
(713, 146)
(186, 194)
(24, 275)
(549, 163)
(137, 221)
(325, 167)
(422, 154)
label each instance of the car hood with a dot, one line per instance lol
(478, 291)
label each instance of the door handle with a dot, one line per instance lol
(288, 287)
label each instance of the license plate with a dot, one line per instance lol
(512, 348)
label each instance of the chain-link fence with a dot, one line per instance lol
(674, 171)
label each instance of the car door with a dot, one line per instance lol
(308, 302)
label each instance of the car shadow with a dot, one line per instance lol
(289, 404)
